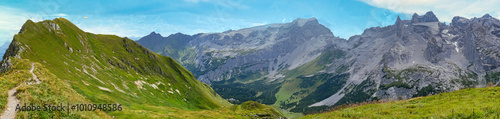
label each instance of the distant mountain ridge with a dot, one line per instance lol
(301, 66)
(275, 38)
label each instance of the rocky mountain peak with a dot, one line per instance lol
(301, 22)
(398, 21)
(152, 39)
(428, 17)
(459, 21)
(486, 16)
(154, 34)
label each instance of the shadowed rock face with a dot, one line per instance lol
(428, 17)
(411, 58)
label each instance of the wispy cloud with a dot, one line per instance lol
(138, 18)
(115, 29)
(138, 26)
(11, 21)
(237, 4)
(445, 10)
(259, 24)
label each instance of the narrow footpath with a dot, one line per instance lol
(12, 101)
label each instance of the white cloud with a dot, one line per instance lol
(11, 20)
(445, 10)
(133, 26)
(258, 24)
(60, 15)
(237, 4)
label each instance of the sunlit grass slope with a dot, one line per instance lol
(95, 68)
(51, 91)
(465, 103)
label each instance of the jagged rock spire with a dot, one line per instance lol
(428, 17)
(398, 25)
(487, 16)
(398, 21)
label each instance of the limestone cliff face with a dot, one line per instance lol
(264, 49)
(308, 66)
(422, 56)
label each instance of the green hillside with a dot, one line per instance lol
(79, 67)
(466, 103)
(51, 91)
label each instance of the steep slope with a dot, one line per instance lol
(102, 69)
(465, 103)
(47, 90)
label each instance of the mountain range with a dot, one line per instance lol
(303, 67)
(299, 67)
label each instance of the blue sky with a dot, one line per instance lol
(138, 18)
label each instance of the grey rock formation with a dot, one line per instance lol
(307, 64)
(13, 51)
(422, 57)
(265, 49)
(428, 17)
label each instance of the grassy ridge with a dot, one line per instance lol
(77, 67)
(98, 69)
(465, 103)
(53, 90)
(110, 69)
(17, 74)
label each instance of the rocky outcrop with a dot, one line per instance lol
(428, 17)
(12, 52)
